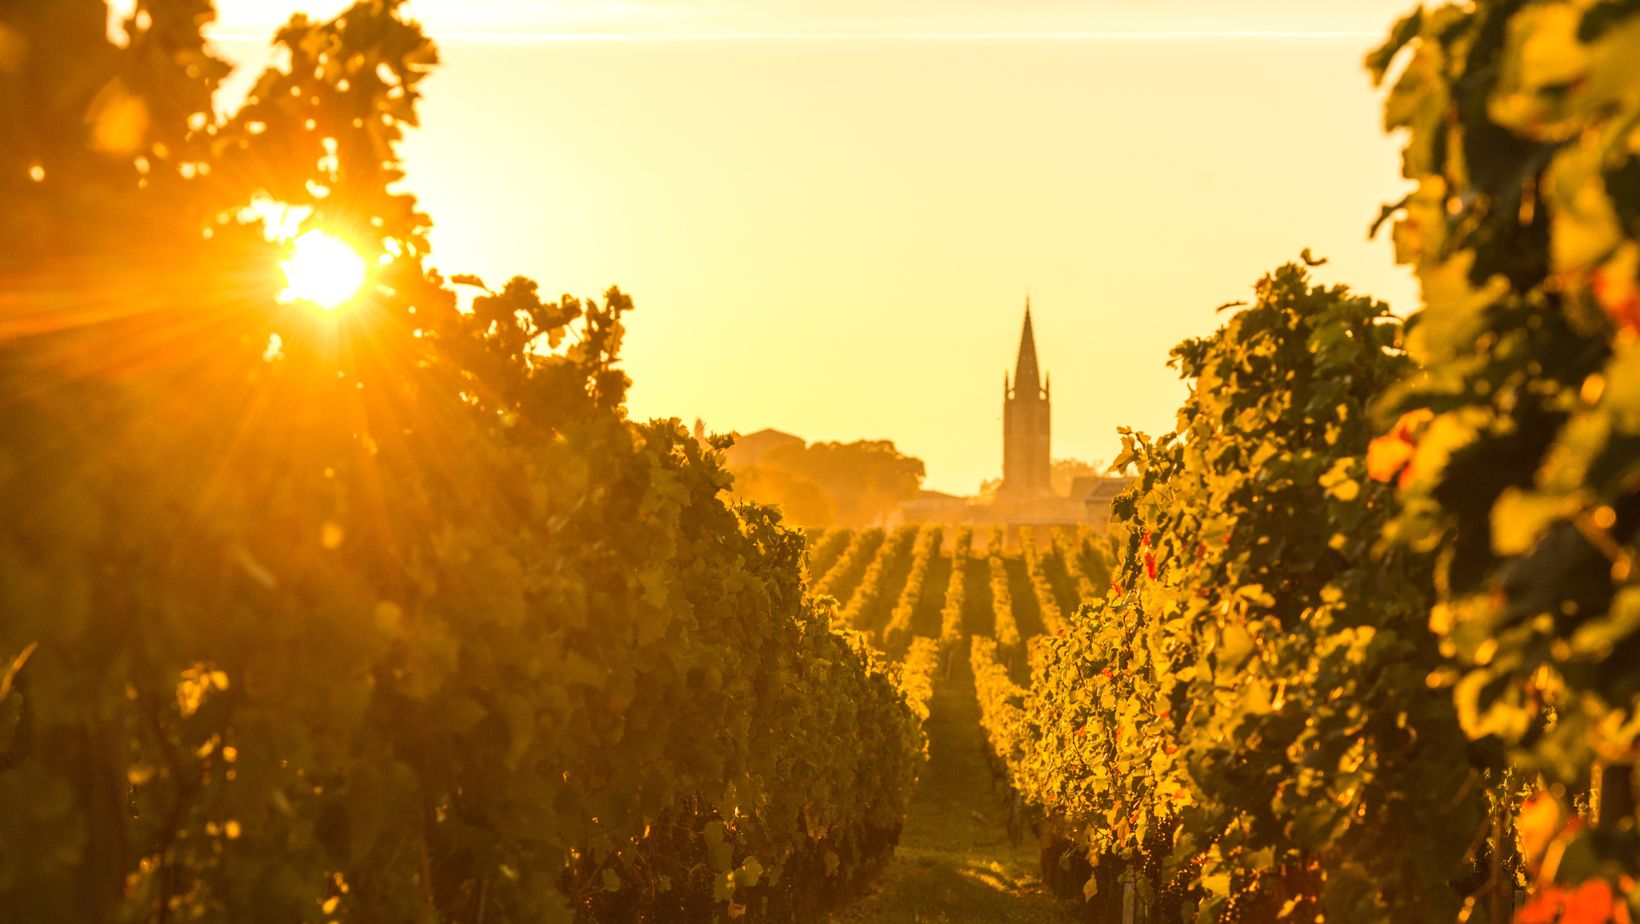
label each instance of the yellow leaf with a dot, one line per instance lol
(1454, 310)
(1255, 698)
(1235, 644)
(1519, 518)
(1621, 395)
(1550, 54)
(118, 119)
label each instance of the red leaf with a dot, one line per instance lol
(1537, 825)
(1589, 903)
(1388, 455)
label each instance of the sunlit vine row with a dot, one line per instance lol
(1246, 718)
(825, 552)
(910, 596)
(955, 602)
(1000, 705)
(1053, 620)
(1006, 631)
(922, 659)
(842, 578)
(867, 601)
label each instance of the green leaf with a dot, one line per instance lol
(719, 852)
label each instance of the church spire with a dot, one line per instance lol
(1027, 381)
(1026, 423)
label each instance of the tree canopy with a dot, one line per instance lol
(822, 484)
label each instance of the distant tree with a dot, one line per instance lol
(866, 480)
(861, 482)
(1066, 471)
(803, 502)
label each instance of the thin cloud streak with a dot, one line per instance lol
(529, 38)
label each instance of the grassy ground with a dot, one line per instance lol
(955, 863)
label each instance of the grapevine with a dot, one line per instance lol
(1514, 446)
(826, 551)
(842, 578)
(910, 596)
(1053, 621)
(1002, 603)
(866, 603)
(951, 612)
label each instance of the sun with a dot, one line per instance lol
(323, 269)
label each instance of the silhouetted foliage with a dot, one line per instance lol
(381, 614)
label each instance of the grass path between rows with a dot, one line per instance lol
(955, 864)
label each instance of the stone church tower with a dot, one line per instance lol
(1025, 414)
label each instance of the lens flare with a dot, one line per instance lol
(324, 270)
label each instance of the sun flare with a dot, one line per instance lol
(323, 269)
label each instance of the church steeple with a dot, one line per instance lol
(1026, 426)
(1027, 380)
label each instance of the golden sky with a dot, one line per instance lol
(676, 18)
(829, 214)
